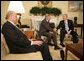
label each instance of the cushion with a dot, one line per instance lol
(27, 56)
(68, 37)
(4, 47)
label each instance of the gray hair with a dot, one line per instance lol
(47, 15)
(9, 14)
(66, 15)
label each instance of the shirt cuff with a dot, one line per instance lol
(31, 42)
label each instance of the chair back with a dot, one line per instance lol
(4, 47)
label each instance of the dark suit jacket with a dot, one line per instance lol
(16, 40)
(44, 27)
(62, 25)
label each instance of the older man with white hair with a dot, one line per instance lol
(18, 42)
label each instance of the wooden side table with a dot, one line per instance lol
(29, 34)
(76, 49)
(79, 26)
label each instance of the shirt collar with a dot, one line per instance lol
(65, 20)
(47, 21)
(12, 23)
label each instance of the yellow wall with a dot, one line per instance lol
(63, 5)
(4, 7)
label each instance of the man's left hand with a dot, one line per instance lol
(69, 32)
(54, 29)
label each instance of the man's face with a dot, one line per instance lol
(48, 18)
(64, 17)
(14, 18)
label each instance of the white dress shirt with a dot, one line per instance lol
(66, 25)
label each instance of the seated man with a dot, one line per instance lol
(67, 27)
(18, 42)
(47, 31)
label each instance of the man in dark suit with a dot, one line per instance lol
(67, 27)
(47, 31)
(18, 42)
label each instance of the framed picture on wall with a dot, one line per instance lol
(45, 3)
(75, 6)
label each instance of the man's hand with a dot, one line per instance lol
(54, 29)
(66, 35)
(69, 32)
(50, 32)
(39, 43)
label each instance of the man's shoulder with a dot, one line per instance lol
(70, 20)
(43, 21)
(61, 21)
(6, 24)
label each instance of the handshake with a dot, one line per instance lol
(54, 30)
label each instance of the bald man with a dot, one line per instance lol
(67, 27)
(18, 42)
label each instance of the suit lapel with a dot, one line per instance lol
(15, 28)
(68, 23)
(63, 23)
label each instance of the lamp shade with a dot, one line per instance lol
(16, 6)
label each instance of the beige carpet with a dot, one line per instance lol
(56, 53)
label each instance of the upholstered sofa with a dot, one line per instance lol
(5, 53)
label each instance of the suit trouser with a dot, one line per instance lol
(44, 49)
(51, 36)
(64, 32)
